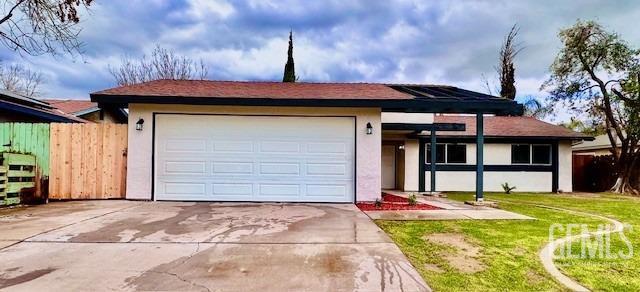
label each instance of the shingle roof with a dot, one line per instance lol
(508, 126)
(257, 89)
(72, 106)
(388, 97)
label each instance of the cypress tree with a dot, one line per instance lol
(289, 68)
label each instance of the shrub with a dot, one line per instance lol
(507, 189)
(412, 200)
(378, 203)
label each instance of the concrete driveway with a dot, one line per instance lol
(127, 245)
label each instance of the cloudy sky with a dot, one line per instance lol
(438, 42)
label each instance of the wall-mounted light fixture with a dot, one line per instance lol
(139, 124)
(401, 147)
(369, 129)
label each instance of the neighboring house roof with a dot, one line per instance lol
(37, 109)
(598, 143)
(391, 96)
(508, 126)
(74, 107)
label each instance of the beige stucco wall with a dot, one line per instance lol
(368, 147)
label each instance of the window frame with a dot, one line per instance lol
(550, 154)
(446, 153)
(531, 146)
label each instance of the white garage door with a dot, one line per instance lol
(254, 158)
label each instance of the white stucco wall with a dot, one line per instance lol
(494, 154)
(465, 181)
(407, 118)
(411, 160)
(368, 147)
(565, 167)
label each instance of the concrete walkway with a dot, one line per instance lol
(449, 210)
(151, 246)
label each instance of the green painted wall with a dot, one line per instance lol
(27, 138)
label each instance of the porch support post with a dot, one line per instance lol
(479, 156)
(433, 160)
(421, 165)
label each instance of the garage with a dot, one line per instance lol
(201, 157)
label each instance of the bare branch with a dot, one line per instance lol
(36, 27)
(163, 64)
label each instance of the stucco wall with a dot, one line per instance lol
(565, 175)
(368, 147)
(465, 181)
(411, 159)
(407, 118)
(494, 154)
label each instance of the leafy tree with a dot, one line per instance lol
(289, 68)
(598, 70)
(592, 127)
(163, 64)
(533, 107)
(36, 27)
(506, 69)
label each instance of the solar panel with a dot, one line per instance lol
(435, 91)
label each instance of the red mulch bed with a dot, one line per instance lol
(394, 199)
(393, 203)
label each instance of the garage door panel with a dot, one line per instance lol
(185, 145)
(279, 169)
(280, 147)
(232, 167)
(237, 190)
(327, 190)
(332, 169)
(289, 190)
(185, 167)
(233, 146)
(185, 188)
(254, 158)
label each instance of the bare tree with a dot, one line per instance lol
(20, 79)
(163, 64)
(506, 69)
(36, 27)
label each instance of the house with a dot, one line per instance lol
(17, 108)
(599, 146)
(524, 152)
(201, 140)
(89, 111)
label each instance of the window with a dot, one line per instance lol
(541, 154)
(521, 154)
(448, 153)
(530, 154)
(456, 153)
(440, 153)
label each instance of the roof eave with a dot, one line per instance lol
(498, 107)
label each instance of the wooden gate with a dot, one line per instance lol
(31, 139)
(88, 161)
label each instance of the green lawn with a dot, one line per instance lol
(509, 249)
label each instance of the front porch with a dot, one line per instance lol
(410, 146)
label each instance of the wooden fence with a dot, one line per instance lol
(88, 161)
(32, 139)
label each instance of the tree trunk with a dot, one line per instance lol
(624, 183)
